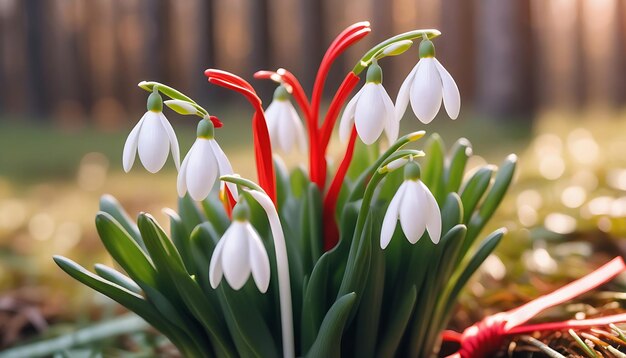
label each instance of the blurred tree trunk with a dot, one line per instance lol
(13, 65)
(456, 49)
(35, 29)
(503, 59)
(312, 42)
(206, 49)
(261, 51)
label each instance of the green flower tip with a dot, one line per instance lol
(427, 49)
(412, 171)
(281, 93)
(155, 102)
(241, 211)
(206, 129)
(374, 73)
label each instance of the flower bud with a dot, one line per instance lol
(427, 49)
(281, 93)
(241, 211)
(374, 73)
(412, 171)
(206, 129)
(155, 102)
(181, 107)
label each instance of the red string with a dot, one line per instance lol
(261, 138)
(346, 87)
(488, 335)
(331, 232)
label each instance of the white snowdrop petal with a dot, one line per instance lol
(130, 147)
(285, 127)
(369, 115)
(402, 101)
(451, 95)
(259, 261)
(224, 166)
(412, 214)
(298, 128)
(347, 118)
(391, 217)
(433, 215)
(271, 118)
(426, 91)
(171, 135)
(181, 180)
(235, 255)
(392, 126)
(153, 145)
(215, 267)
(202, 170)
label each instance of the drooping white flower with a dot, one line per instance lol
(239, 253)
(416, 208)
(426, 85)
(371, 110)
(284, 124)
(203, 165)
(152, 137)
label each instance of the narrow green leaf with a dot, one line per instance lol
(283, 188)
(166, 90)
(451, 212)
(459, 154)
(328, 342)
(299, 181)
(180, 238)
(432, 171)
(215, 213)
(398, 322)
(248, 329)
(314, 302)
(125, 250)
(368, 314)
(111, 206)
(314, 201)
(118, 278)
(189, 213)
(474, 189)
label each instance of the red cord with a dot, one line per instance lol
(346, 87)
(331, 232)
(486, 336)
(262, 143)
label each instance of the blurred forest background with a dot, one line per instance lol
(78, 61)
(542, 78)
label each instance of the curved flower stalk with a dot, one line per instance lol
(152, 137)
(203, 165)
(414, 206)
(284, 123)
(282, 261)
(239, 253)
(371, 110)
(426, 85)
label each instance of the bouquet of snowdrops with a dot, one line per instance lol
(315, 262)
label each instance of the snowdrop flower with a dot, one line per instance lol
(415, 207)
(152, 137)
(371, 110)
(284, 124)
(203, 165)
(240, 253)
(426, 85)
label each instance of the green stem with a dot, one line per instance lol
(173, 94)
(367, 58)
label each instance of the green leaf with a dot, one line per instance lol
(111, 206)
(125, 250)
(118, 278)
(451, 212)
(432, 171)
(474, 189)
(299, 182)
(180, 237)
(398, 322)
(467, 268)
(283, 189)
(368, 315)
(247, 327)
(314, 220)
(189, 213)
(215, 213)
(130, 300)
(182, 289)
(314, 302)
(455, 170)
(328, 342)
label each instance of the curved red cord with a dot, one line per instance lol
(331, 232)
(486, 336)
(346, 87)
(261, 138)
